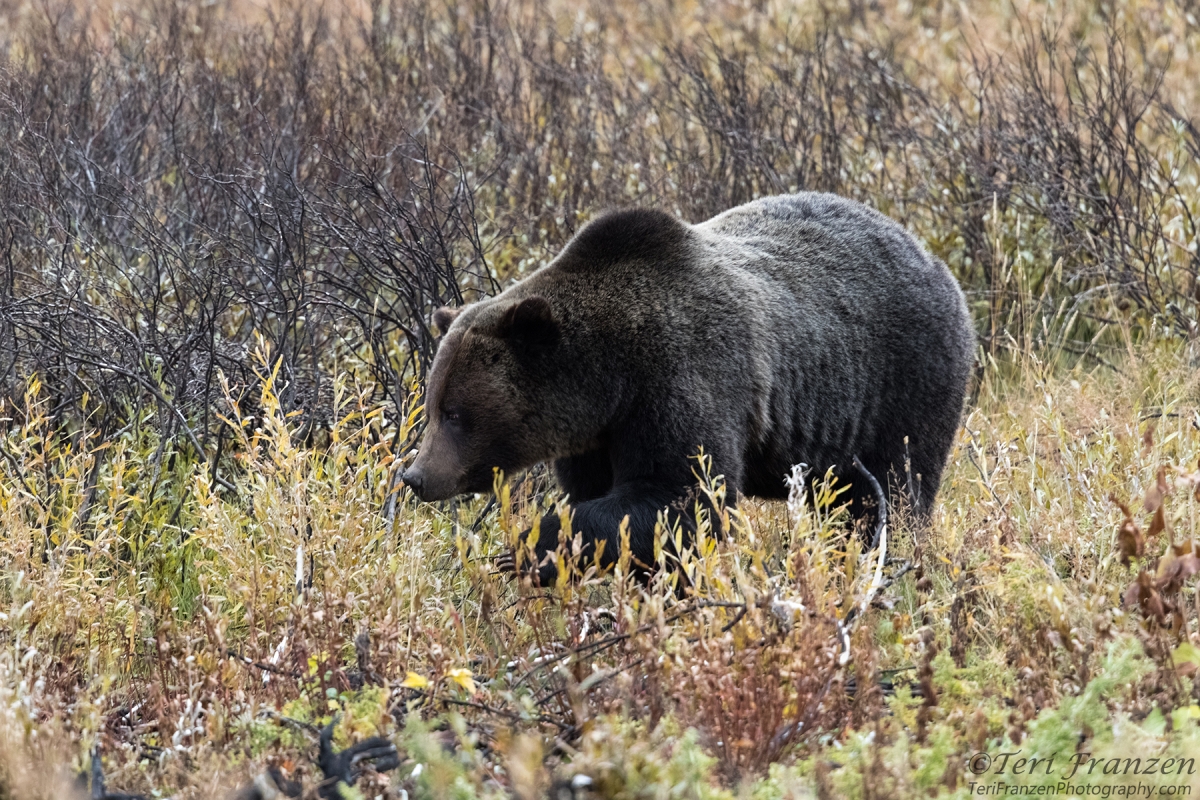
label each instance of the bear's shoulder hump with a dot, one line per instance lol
(626, 235)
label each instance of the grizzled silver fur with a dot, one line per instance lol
(803, 328)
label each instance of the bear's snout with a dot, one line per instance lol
(414, 479)
(429, 483)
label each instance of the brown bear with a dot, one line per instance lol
(803, 328)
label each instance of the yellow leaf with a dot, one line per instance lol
(414, 681)
(1180, 716)
(1186, 653)
(463, 678)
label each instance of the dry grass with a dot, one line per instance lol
(136, 631)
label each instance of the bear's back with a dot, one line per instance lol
(817, 235)
(836, 264)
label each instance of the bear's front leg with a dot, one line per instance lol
(538, 565)
(600, 520)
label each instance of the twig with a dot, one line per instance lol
(905, 568)
(986, 483)
(502, 712)
(843, 629)
(299, 724)
(879, 540)
(881, 499)
(260, 665)
(592, 649)
(736, 619)
(21, 476)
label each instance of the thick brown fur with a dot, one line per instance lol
(795, 329)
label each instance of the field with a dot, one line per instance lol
(224, 227)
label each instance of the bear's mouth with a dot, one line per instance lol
(479, 480)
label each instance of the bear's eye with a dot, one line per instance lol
(452, 416)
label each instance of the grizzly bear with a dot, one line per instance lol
(803, 328)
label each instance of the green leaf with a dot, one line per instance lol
(1186, 653)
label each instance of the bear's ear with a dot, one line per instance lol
(529, 324)
(443, 317)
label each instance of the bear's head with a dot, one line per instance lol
(482, 403)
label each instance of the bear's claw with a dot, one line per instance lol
(543, 576)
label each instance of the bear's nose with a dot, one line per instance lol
(414, 480)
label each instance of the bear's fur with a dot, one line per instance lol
(804, 328)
